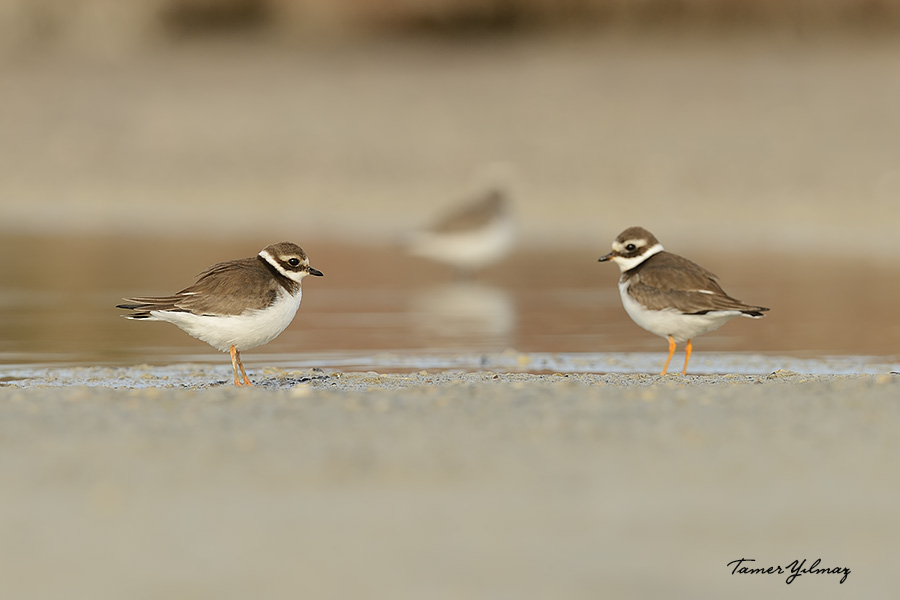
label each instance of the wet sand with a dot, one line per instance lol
(445, 484)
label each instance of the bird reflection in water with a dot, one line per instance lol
(464, 312)
(473, 235)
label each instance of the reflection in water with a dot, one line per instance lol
(463, 311)
(67, 315)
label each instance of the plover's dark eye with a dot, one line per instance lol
(294, 262)
(631, 247)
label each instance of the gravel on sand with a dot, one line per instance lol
(415, 485)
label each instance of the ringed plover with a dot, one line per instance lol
(470, 237)
(235, 305)
(669, 295)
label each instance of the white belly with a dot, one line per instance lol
(672, 322)
(245, 331)
(467, 250)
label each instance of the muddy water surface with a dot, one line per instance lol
(57, 304)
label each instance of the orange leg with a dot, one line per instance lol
(234, 364)
(687, 356)
(243, 372)
(671, 352)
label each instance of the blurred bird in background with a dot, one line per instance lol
(471, 236)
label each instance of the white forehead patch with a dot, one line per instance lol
(292, 275)
(626, 263)
(620, 246)
(287, 257)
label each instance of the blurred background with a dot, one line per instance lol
(142, 141)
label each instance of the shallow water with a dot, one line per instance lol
(376, 301)
(763, 159)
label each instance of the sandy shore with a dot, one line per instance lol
(450, 485)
